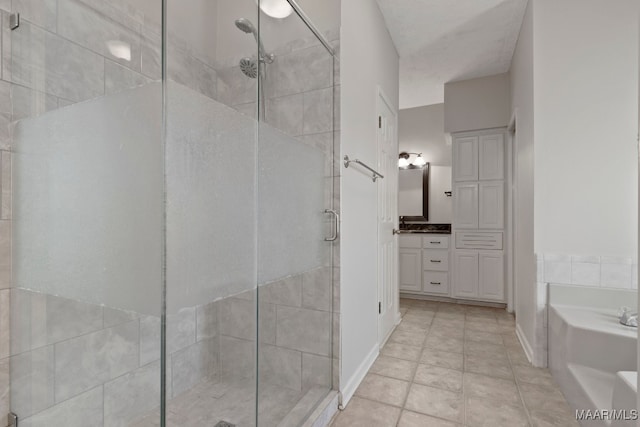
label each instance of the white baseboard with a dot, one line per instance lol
(528, 351)
(355, 380)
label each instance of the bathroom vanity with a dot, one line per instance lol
(424, 259)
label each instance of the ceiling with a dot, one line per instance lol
(440, 41)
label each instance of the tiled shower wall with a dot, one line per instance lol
(57, 57)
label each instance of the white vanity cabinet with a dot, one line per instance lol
(424, 264)
(479, 211)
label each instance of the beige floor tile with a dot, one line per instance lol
(450, 315)
(487, 350)
(479, 336)
(483, 327)
(531, 375)
(552, 419)
(489, 319)
(394, 368)
(446, 331)
(413, 327)
(425, 305)
(493, 413)
(435, 376)
(402, 351)
(517, 357)
(421, 312)
(366, 413)
(444, 359)
(450, 307)
(452, 345)
(413, 419)
(423, 322)
(488, 313)
(489, 367)
(476, 385)
(543, 398)
(415, 338)
(436, 402)
(451, 323)
(383, 389)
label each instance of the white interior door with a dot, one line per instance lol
(388, 294)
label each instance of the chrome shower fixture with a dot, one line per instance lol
(247, 26)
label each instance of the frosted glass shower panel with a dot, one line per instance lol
(88, 189)
(211, 206)
(291, 218)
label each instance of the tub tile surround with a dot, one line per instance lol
(592, 271)
(485, 382)
(603, 271)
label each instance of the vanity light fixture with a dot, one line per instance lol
(403, 160)
(275, 8)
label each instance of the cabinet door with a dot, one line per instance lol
(465, 274)
(491, 275)
(491, 205)
(465, 205)
(410, 270)
(491, 157)
(465, 159)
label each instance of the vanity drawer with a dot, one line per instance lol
(410, 241)
(435, 242)
(435, 282)
(434, 259)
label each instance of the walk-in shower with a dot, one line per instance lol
(168, 243)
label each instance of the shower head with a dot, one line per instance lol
(247, 26)
(249, 67)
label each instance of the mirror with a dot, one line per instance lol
(413, 192)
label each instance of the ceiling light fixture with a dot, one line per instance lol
(275, 8)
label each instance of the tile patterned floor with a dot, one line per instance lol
(449, 365)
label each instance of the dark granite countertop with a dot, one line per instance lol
(417, 228)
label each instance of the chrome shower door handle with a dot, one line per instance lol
(336, 230)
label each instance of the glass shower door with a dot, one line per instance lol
(295, 224)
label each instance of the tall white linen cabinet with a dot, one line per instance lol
(481, 180)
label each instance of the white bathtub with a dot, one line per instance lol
(587, 348)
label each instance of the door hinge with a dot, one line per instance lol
(379, 308)
(12, 420)
(379, 122)
(14, 21)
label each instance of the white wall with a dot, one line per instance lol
(481, 103)
(522, 97)
(586, 109)
(574, 82)
(368, 59)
